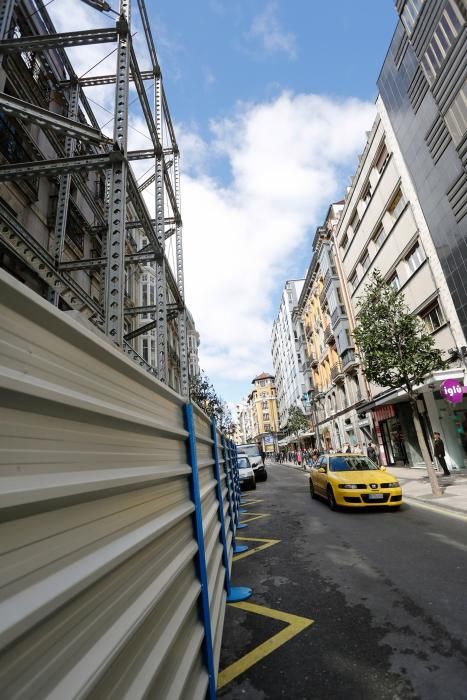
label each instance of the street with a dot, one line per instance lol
(382, 593)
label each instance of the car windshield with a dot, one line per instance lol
(351, 464)
(243, 463)
(250, 450)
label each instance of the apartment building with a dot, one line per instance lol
(333, 377)
(262, 405)
(287, 352)
(381, 227)
(423, 105)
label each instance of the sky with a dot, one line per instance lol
(270, 100)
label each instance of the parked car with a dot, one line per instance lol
(246, 473)
(254, 455)
(353, 481)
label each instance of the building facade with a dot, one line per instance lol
(287, 352)
(382, 227)
(334, 382)
(257, 415)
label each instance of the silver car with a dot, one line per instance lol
(246, 473)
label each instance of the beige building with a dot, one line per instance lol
(336, 386)
(258, 415)
(382, 227)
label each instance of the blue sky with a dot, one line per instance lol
(270, 100)
(217, 55)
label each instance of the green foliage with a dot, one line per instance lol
(297, 421)
(204, 395)
(394, 346)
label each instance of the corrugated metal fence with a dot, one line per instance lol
(118, 509)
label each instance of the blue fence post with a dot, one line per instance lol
(234, 593)
(234, 460)
(237, 548)
(201, 555)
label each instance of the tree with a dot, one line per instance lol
(204, 395)
(297, 420)
(396, 350)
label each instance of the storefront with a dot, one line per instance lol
(396, 436)
(447, 411)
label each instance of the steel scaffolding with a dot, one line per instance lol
(81, 147)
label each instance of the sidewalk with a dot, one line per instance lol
(416, 485)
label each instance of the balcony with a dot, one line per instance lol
(339, 312)
(322, 297)
(330, 275)
(337, 372)
(328, 335)
(312, 360)
(349, 360)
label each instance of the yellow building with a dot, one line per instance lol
(264, 419)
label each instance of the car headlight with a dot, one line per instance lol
(349, 486)
(392, 485)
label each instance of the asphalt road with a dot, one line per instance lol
(387, 592)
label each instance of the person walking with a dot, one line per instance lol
(371, 452)
(440, 453)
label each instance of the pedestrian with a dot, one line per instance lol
(299, 457)
(357, 449)
(371, 452)
(263, 455)
(347, 450)
(314, 455)
(440, 453)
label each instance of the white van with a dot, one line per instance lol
(254, 455)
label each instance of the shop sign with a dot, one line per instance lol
(268, 440)
(452, 390)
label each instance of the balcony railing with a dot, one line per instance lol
(322, 297)
(339, 312)
(328, 277)
(328, 334)
(337, 372)
(349, 360)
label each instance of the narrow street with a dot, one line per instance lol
(385, 592)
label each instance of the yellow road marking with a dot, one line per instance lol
(250, 503)
(443, 511)
(267, 543)
(295, 624)
(256, 516)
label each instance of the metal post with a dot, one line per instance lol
(6, 14)
(180, 283)
(234, 593)
(114, 287)
(201, 555)
(64, 187)
(161, 288)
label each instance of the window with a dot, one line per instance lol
(381, 158)
(456, 116)
(443, 38)
(365, 261)
(394, 281)
(354, 281)
(265, 405)
(355, 221)
(410, 13)
(267, 427)
(379, 237)
(415, 258)
(265, 416)
(397, 204)
(366, 193)
(432, 318)
(344, 241)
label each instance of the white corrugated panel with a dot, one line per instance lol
(99, 596)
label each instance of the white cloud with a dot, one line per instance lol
(240, 238)
(273, 38)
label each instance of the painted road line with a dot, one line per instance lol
(250, 503)
(254, 550)
(256, 516)
(436, 509)
(295, 625)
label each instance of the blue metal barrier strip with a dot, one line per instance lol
(231, 487)
(225, 554)
(201, 555)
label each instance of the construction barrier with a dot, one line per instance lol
(118, 511)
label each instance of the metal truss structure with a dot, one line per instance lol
(80, 147)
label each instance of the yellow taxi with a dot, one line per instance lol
(354, 481)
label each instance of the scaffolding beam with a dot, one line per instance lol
(19, 109)
(61, 40)
(52, 168)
